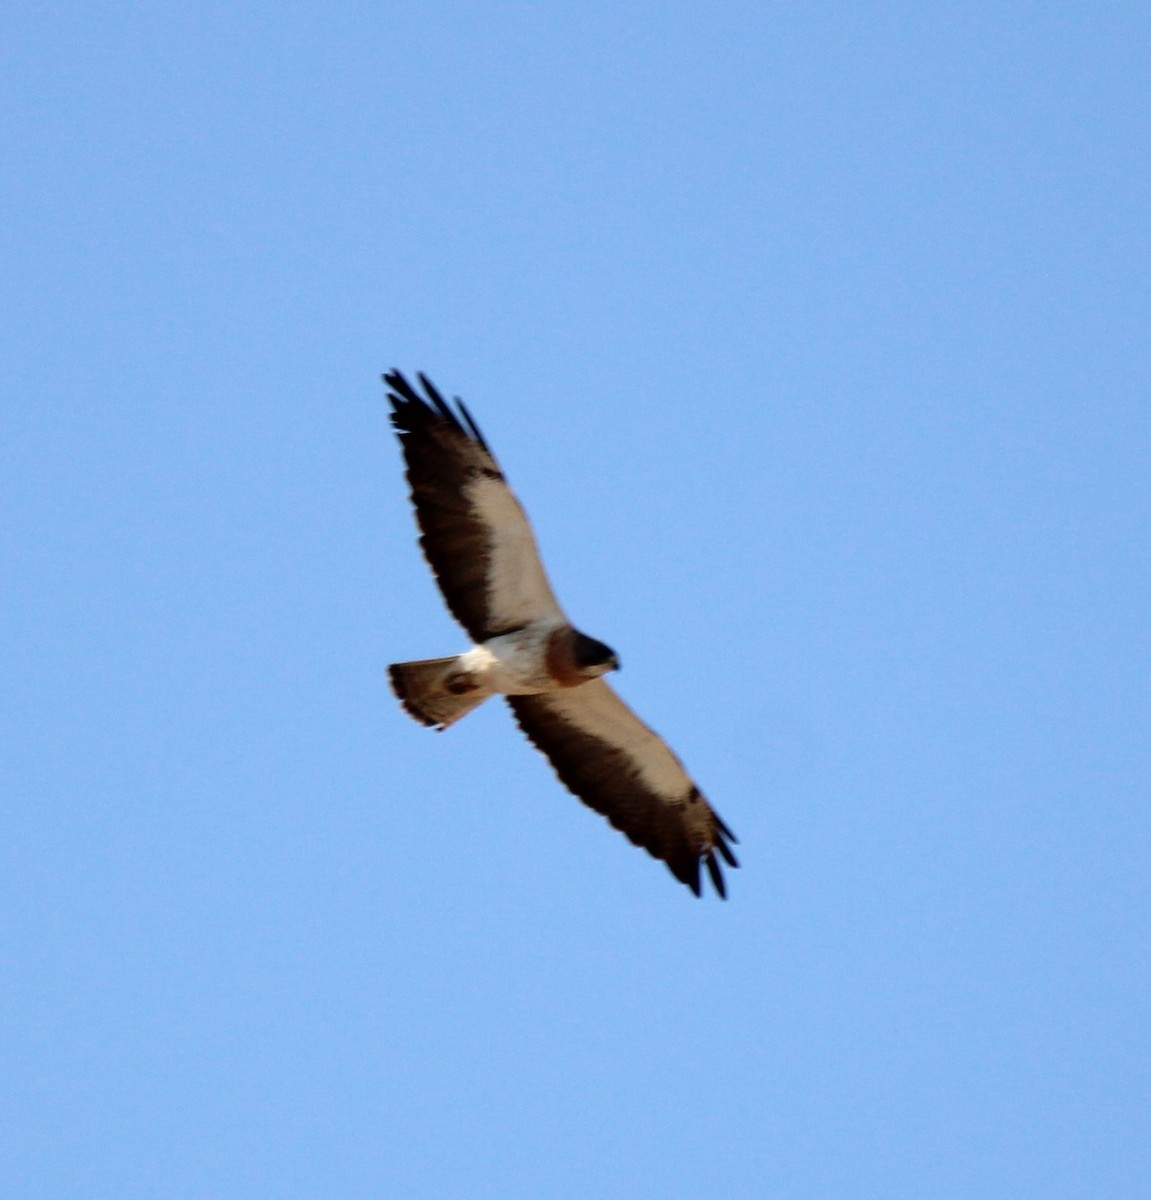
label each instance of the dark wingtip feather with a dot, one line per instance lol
(404, 400)
(685, 870)
(437, 400)
(409, 407)
(724, 829)
(472, 426)
(726, 851)
(398, 383)
(713, 869)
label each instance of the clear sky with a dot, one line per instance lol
(814, 337)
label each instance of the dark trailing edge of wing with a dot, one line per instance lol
(410, 409)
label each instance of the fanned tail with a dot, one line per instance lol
(435, 691)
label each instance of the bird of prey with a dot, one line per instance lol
(481, 549)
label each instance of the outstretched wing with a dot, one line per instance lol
(615, 764)
(475, 535)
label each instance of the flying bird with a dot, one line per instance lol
(480, 546)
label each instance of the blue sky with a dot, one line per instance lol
(814, 338)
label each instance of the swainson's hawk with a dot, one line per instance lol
(481, 548)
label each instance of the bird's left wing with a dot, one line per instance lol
(618, 766)
(476, 536)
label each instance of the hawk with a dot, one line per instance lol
(480, 546)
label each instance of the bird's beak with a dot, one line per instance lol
(615, 663)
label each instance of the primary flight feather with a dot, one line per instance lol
(481, 548)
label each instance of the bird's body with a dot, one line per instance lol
(514, 664)
(481, 548)
(530, 661)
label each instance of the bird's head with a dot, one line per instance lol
(594, 658)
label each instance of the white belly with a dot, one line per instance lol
(513, 663)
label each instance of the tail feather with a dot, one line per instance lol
(436, 691)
